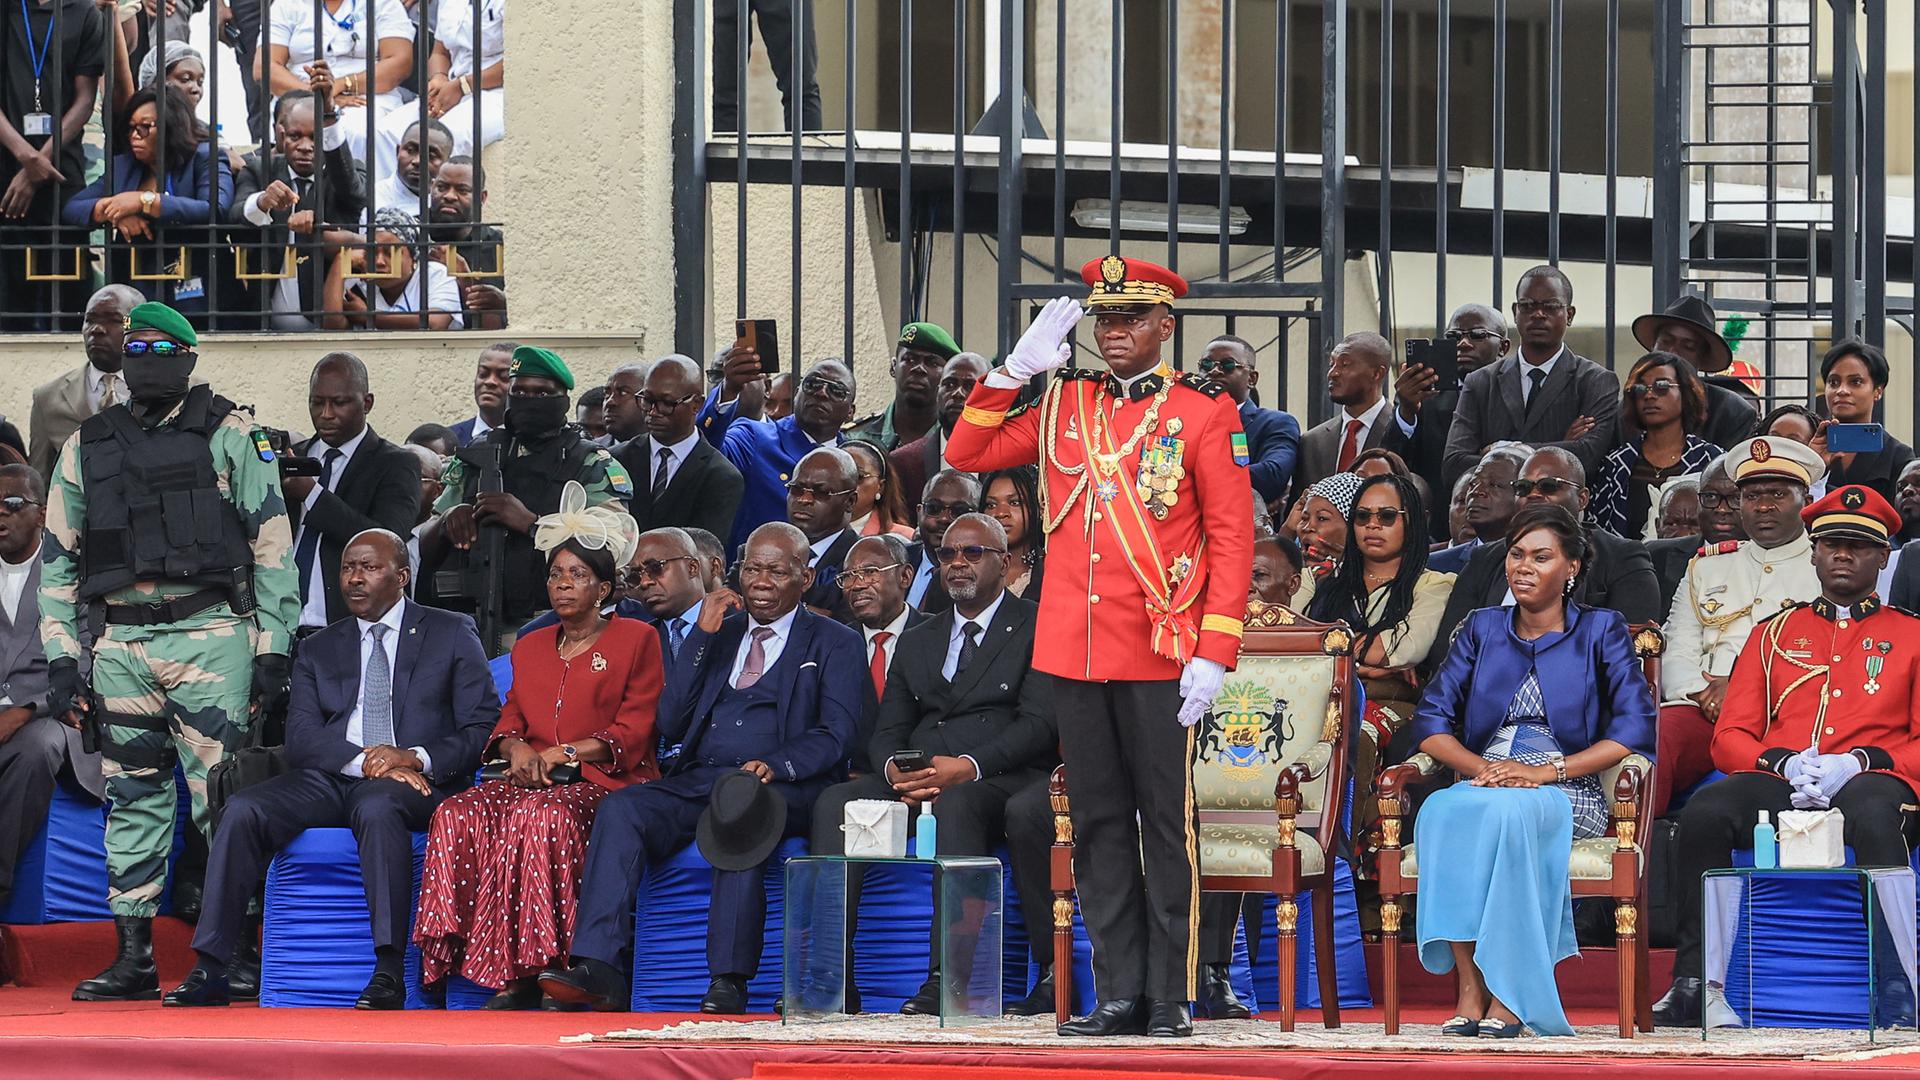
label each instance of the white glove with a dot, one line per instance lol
(1806, 796)
(1798, 766)
(1830, 772)
(1044, 346)
(1199, 684)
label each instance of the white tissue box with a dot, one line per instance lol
(1812, 838)
(876, 828)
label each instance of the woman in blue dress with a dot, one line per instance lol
(1531, 705)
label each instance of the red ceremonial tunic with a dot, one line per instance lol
(1150, 516)
(1807, 679)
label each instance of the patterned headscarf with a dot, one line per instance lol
(1340, 489)
(176, 52)
(392, 219)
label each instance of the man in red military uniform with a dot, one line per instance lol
(1147, 503)
(1822, 710)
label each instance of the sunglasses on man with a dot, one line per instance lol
(973, 553)
(162, 347)
(1548, 486)
(17, 504)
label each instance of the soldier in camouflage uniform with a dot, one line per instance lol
(167, 535)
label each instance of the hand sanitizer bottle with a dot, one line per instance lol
(1766, 850)
(926, 832)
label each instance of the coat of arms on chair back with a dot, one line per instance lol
(1282, 706)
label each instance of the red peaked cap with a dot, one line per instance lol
(1119, 282)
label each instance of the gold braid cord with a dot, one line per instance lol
(1049, 428)
(1775, 627)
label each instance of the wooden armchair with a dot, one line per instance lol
(1269, 784)
(1608, 866)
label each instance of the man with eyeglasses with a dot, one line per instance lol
(1273, 437)
(190, 638)
(947, 496)
(926, 456)
(1544, 395)
(875, 577)
(1716, 521)
(1490, 505)
(819, 504)
(1617, 573)
(1688, 328)
(1730, 588)
(679, 478)
(765, 451)
(1149, 552)
(1423, 413)
(35, 747)
(918, 357)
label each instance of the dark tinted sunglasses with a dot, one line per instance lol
(1385, 515)
(1225, 365)
(653, 568)
(1658, 388)
(157, 348)
(15, 504)
(973, 553)
(828, 387)
(1546, 485)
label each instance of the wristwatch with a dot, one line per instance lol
(573, 755)
(1559, 763)
(149, 203)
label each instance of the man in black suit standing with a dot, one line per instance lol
(277, 203)
(1357, 382)
(950, 494)
(1423, 413)
(679, 479)
(365, 482)
(820, 504)
(875, 578)
(963, 691)
(1617, 574)
(1543, 396)
(389, 712)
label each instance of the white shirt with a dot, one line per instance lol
(890, 646)
(775, 645)
(453, 28)
(390, 644)
(97, 387)
(950, 667)
(344, 33)
(313, 607)
(392, 191)
(1367, 420)
(443, 294)
(677, 454)
(480, 428)
(1545, 369)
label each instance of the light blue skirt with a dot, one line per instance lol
(1493, 871)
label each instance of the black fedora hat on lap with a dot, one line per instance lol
(742, 823)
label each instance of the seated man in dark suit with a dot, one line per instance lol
(947, 496)
(1490, 505)
(962, 690)
(773, 690)
(678, 477)
(388, 714)
(875, 578)
(1618, 574)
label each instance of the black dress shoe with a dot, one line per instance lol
(1170, 1020)
(1037, 1003)
(726, 996)
(199, 989)
(1122, 1016)
(926, 1002)
(518, 995)
(384, 991)
(1681, 1005)
(1217, 999)
(594, 984)
(186, 898)
(132, 976)
(243, 972)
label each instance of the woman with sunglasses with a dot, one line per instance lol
(1662, 408)
(876, 501)
(1384, 591)
(1012, 498)
(151, 196)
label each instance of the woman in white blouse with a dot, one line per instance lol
(457, 81)
(364, 77)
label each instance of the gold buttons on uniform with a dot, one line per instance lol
(1095, 598)
(1829, 731)
(1768, 569)
(1096, 515)
(1096, 558)
(1836, 693)
(1836, 660)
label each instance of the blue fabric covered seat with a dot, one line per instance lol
(62, 874)
(670, 932)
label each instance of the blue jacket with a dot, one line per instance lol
(185, 198)
(765, 452)
(1273, 444)
(1594, 687)
(443, 695)
(823, 686)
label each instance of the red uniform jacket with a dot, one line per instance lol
(1807, 679)
(607, 692)
(1151, 546)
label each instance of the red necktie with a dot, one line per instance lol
(879, 665)
(1350, 447)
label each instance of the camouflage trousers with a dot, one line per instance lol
(194, 686)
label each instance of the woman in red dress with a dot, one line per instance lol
(497, 898)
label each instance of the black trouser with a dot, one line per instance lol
(1720, 817)
(30, 763)
(973, 817)
(1130, 779)
(779, 21)
(268, 816)
(1220, 913)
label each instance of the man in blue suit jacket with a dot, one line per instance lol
(1273, 437)
(389, 712)
(775, 691)
(766, 451)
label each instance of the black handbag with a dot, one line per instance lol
(252, 764)
(560, 774)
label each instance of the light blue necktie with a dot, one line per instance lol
(676, 635)
(376, 695)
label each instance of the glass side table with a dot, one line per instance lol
(968, 906)
(1888, 916)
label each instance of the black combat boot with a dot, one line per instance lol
(132, 976)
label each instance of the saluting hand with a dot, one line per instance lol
(1044, 346)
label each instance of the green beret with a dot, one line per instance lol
(534, 360)
(928, 337)
(157, 316)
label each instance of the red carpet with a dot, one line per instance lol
(44, 1033)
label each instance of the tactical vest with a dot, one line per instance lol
(154, 507)
(536, 478)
